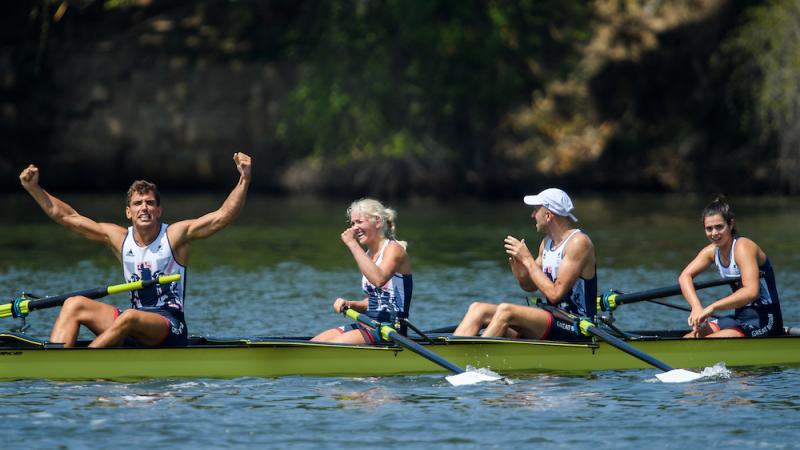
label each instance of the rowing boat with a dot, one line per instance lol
(23, 357)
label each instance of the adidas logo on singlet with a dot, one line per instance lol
(130, 252)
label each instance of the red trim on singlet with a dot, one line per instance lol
(166, 335)
(370, 336)
(364, 332)
(549, 325)
(714, 326)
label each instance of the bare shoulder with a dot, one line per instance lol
(746, 246)
(395, 250)
(177, 232)
(581, 242)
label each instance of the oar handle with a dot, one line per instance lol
(21, 307)
(608, 302)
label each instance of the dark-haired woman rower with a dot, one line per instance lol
(754, 299)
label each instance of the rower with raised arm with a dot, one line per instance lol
(564, 271)
(385, 273)
(147, 249)
(757, 310)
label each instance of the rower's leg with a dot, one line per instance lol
(148, 328)
(338, 336)
(704, 331)
(728, 332)
(77, 311)
(327, 335)
(478, 316)
(530, 323)
(351, 337)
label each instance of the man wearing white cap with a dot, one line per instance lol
(564, 272)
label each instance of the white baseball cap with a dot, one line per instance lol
(553, 199)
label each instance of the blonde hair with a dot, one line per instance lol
(374, 210)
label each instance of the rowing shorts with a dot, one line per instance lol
(175, 331)
(748, 322)
(559, 330)
(371, 336)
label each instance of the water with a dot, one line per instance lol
(277, 271)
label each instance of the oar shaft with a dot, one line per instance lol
(679, 307)
(391, 334)
(668, 291)
(629, 349)
(27, 306)
(588, 327)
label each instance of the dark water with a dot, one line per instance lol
(277, 271)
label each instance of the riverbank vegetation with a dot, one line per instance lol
(401, 98)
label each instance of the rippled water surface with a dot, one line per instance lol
(276, 273)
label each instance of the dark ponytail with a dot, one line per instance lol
(720, 206)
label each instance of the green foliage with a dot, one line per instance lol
(765, 82)
(399, 78)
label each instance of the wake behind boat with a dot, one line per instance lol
(24, 357)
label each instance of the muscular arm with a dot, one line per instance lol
(181, 233)
(686, 279)
(395, 259)
(577, 256)
(746, 254)
(64, 214)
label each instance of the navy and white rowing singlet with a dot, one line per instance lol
(582, 298)
(761, 316)
(149, 262)
(391, 300)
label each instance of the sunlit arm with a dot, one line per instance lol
(746, 254)
(210, 223)
(576, 255)
(378, 275)
(65, 215)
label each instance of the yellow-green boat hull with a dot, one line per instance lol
(274, 357)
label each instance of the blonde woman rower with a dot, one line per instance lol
(385, 268)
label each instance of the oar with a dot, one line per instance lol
(682, 308)
(390, 334)
(608, 302)
(21, 307)
(586, 327)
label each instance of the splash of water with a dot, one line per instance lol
(717, 371)
(473, 376)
